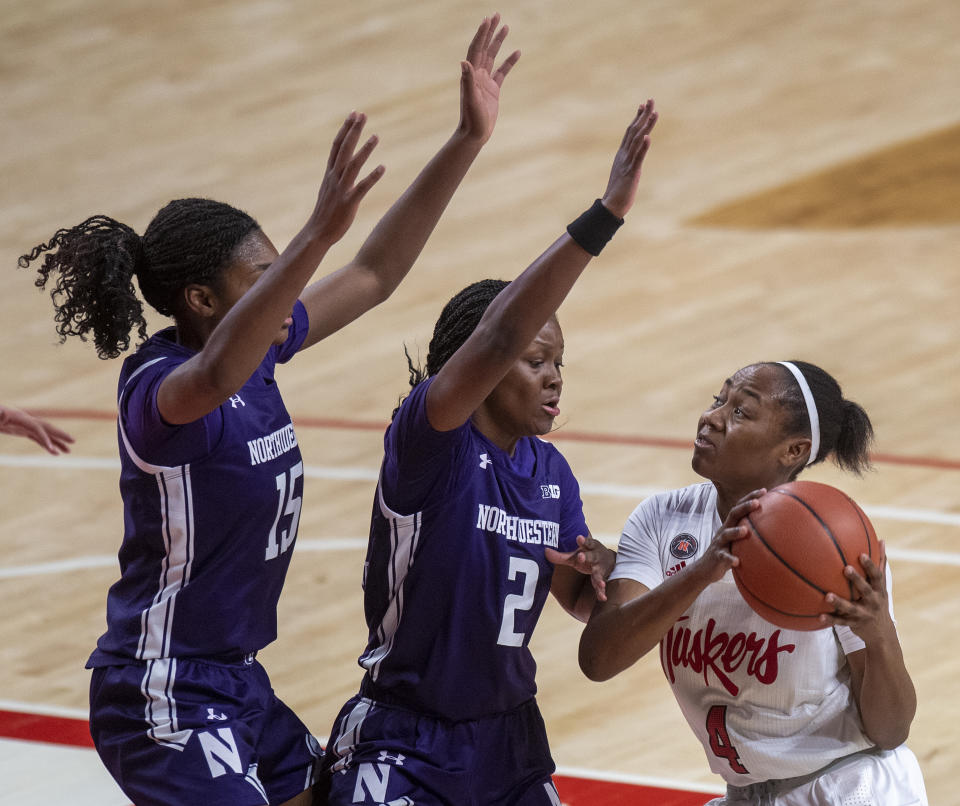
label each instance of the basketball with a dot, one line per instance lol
(801, 538)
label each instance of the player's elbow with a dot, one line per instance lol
(592, 661)
(889, 738)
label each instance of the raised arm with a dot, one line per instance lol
(397, 240)
(517, 314)
(238, 343)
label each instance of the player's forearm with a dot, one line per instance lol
(618, 635)
(238, 344)
(397, 240)
(888, 700)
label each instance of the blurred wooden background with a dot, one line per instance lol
(801, 200)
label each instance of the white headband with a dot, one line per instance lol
(811, 409)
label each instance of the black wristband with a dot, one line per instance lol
(594, 228)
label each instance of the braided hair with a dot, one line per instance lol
(846, 432)
(188, 241)
(458, 319)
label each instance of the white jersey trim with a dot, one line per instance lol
(404, 537)
(177, 519)
(161, 708)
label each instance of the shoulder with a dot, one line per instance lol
(692, 501)
(155, 358)
(547, 454)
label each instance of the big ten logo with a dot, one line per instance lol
(550, 490)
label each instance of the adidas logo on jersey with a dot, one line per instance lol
(679, 566)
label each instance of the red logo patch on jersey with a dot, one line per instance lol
(684, 546)
(678, 567)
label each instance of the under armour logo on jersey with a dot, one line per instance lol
(221, 717)
(484, 461)
(550, 490)
(397, 759)
(234, 399)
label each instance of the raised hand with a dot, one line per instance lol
(480, 83)
(625, 174)
(340, 193)
(48, 436)
(590, 557)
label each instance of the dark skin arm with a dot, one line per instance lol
(521, 310)
(580, 576)
(882, 687)
(391, 249)
(633, 619)
(238, 343)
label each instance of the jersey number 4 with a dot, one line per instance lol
(288, 503)
(720, 739)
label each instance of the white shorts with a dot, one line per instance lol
(888, 777)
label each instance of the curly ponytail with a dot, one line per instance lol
(188, 241)
(94, 263)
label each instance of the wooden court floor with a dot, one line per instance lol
(801, 200)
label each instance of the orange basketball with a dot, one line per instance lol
(801, 538)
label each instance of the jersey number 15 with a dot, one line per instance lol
(279, 539)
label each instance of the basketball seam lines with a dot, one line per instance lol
(785, 565)
(826, 528)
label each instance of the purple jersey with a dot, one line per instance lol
(455, 576)
(210, 513)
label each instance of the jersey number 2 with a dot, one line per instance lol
(279, 540)
(518, 601)
(720, 739)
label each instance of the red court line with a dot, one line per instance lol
(49, 729)
(638, 440)
(586, 792)
(574, 791)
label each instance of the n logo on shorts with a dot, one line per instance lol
(369, 779)
(220, 753)
(222, 757)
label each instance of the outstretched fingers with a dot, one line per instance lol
(341, 152)
(337, 144)
(340, 193)
(477, 50)
(486, 44)
(506, 66)
(636, 139)
(625, 173)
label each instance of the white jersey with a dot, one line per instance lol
(765, 702)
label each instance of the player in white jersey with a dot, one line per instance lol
(211, 476)
(788, 718)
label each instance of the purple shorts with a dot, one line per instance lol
(386, 754)
(175, 731)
